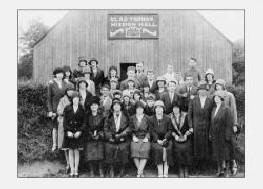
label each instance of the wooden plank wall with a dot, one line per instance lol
(182, 34)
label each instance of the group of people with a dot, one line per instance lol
(169, 120)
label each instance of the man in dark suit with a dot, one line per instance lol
(170, 97)
(140, 75)
(150, 82)
(188, 90)
(131, 76)
(97, 75)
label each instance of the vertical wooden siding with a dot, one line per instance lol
(182, 34)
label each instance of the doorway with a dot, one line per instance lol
(123, 69)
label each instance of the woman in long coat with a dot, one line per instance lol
(182, 137)
(117, 136)
(63, 103)
(140, 145)
(74, 132)
(161, 133)
(56, 90)
(230, 102)
(94, 123)
(220, 133)
(199, 119)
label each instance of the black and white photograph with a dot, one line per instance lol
(131, 93)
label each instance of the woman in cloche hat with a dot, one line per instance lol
(230, 101)
(140, 145)
(74, 132)
(220, 133)
(94, 123)
(117, 136)
(199, 119)
(161, 133)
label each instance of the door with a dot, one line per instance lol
(123, 70)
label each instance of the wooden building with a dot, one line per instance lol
(156, 37)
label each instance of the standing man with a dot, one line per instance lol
(97, 75)
(131, 76)
(150, 81)
(188, 90)
(140, 76)
(194, 71)
(170, 97)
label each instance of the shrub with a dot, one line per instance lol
(34, 128)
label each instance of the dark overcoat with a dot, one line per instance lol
(160, 130)
(220, 133)
(98, 80)
(117, 150)
(199, 120)
(73, 122)
(94, 147)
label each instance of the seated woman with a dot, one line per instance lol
(117, 136)
(94, 123)
(182, 147)
(140, 145)
(161, 132)
(220, 133)
(73, 125)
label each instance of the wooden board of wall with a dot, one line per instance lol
(182, 34)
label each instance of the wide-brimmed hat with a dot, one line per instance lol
(150, 97)
(160, 78)
(209, 71)
(58, 70)
(136, 91)
(94, 100)
(105, 86)
(82, 80)
(93, 60)
(173, 80)
(159, 103)
(82, 59)
(221, 82)
(116, 100)
(117, 92)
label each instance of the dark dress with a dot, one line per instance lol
(160, 130)
(182, 150)
(141, 130)
(220, 133)
(117, 151)
(73, 122)
(94, 147)
(86, 102)
(199, 120)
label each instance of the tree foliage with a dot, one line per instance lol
(27, 40)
